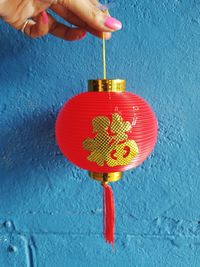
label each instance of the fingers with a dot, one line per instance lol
(90, 14)
(73, 19)
(39, 27)
(62, 31)
(45, 23)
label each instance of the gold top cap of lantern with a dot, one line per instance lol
(107, 85)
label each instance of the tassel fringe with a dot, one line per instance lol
(108, 214)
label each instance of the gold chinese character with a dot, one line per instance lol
(111, 144)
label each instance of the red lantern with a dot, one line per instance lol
(106, 131)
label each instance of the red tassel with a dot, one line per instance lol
(108, 214)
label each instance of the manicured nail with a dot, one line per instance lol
(102, 7)
(112, 23)
(83, 36)
(45, 18)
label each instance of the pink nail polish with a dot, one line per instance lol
(45, 18)
(113, 24)
(83, 36)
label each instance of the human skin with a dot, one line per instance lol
(84, 14)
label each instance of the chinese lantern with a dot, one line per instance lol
(106, 131)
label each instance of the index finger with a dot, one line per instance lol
(92, 15)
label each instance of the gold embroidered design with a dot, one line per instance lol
(111, 144)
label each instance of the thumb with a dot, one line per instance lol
(92, 15)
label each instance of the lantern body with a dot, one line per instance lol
(93, 119)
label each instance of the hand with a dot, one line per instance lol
(84, 14)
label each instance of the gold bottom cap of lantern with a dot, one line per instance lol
(106, 85)
(106, 177)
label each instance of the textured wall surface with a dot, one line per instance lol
(50, 211)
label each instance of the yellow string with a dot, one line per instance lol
(104, 50)
(104, 55)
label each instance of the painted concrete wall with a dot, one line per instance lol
(50, 211)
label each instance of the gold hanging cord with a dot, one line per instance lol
(104, 50)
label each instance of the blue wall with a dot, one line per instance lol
(50, 211)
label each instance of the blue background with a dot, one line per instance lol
(50, 211)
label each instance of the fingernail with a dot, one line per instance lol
(45, 18)
(83, 36)
(112, 23)
(102, 7)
